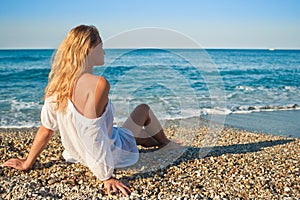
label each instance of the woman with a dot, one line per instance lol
(77, 104)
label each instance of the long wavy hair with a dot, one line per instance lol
(69, 63)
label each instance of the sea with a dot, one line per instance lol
(253, 89)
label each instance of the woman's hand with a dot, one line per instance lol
(41, 139)
(113, 185)
(17, 163)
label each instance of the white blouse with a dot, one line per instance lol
(95, 143)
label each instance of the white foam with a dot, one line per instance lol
(217, 111)
(19, 105)
(242, 112)
(246, 88)
(290, 88)
(29, 125)
(269, 108)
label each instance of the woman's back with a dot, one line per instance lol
(90, 95)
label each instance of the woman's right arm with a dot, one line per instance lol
(101, 99)
(40, 141)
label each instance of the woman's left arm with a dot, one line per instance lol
(40, 141)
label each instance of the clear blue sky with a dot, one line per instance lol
(212, 23)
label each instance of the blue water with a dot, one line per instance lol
(225, 82)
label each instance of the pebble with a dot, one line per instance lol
(235, 164)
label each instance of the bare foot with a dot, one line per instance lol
(180, 142)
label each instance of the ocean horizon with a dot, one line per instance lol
(227, 82)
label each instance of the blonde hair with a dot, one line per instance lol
(69, 63)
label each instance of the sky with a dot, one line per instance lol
(211, 23)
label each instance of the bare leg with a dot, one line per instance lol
(141, 117)
(155, 130)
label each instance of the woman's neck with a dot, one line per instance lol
(89, 70)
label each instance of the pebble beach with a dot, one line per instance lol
(240, 165)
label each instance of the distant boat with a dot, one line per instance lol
(271, 49)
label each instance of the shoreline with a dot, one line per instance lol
(237, 164)
(280, 122)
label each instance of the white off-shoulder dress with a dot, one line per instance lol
(95, 143)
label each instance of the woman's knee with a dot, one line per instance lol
(142, 107)
(140, 114)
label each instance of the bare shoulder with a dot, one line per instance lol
(102, 89)
(102, 83)
(101, 95)
(90, 77)
(94, 80)
(102, 80)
